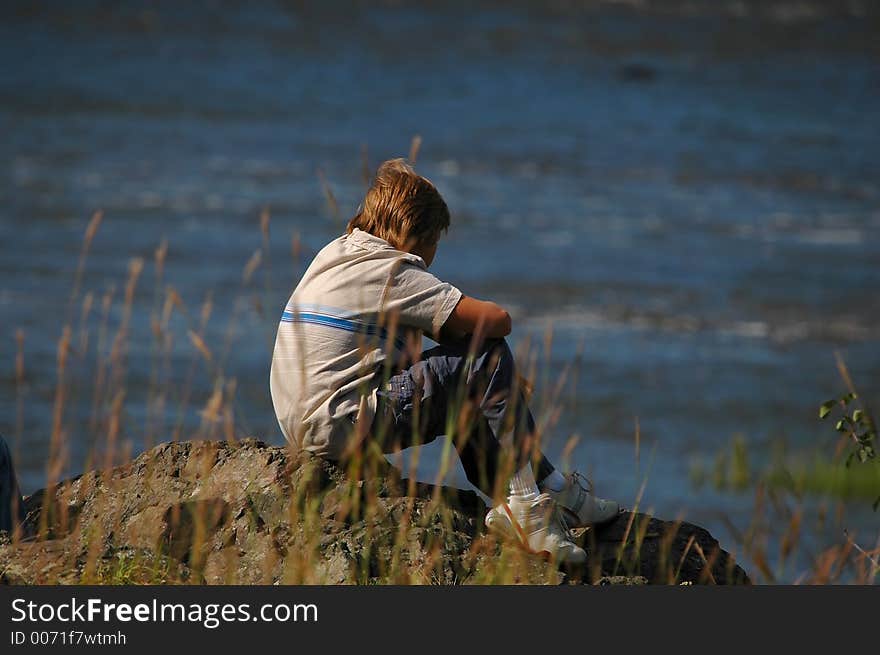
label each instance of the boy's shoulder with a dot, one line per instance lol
(357, 260)
(354, 245)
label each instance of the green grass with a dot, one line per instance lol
(831, 479)
(732, 469)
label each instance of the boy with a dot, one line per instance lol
(347, 366)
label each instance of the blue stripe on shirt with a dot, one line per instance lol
(316, 318)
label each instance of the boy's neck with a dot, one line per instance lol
(427, 253)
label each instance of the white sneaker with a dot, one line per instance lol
(539, 526)
(579, 506)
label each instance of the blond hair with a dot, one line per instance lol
(402, 207)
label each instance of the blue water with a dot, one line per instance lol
(686, 195)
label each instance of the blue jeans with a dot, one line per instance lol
(11, 506)
(435, 389)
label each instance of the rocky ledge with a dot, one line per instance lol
(250, 513)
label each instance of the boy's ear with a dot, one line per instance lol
(409, 245)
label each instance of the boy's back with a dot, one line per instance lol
(360, 301)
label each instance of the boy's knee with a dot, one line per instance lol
(499, 348)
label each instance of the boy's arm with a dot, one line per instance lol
(479, 319)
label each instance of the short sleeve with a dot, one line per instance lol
(418, 298)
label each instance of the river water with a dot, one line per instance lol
(682, 199)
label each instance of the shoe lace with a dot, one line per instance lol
(558, 516)
(583, 482)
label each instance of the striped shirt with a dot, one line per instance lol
(361, 304)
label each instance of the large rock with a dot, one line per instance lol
(249, 513)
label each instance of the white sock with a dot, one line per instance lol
(553, 482)
(523, 487)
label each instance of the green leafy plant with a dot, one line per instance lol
(855, 425)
